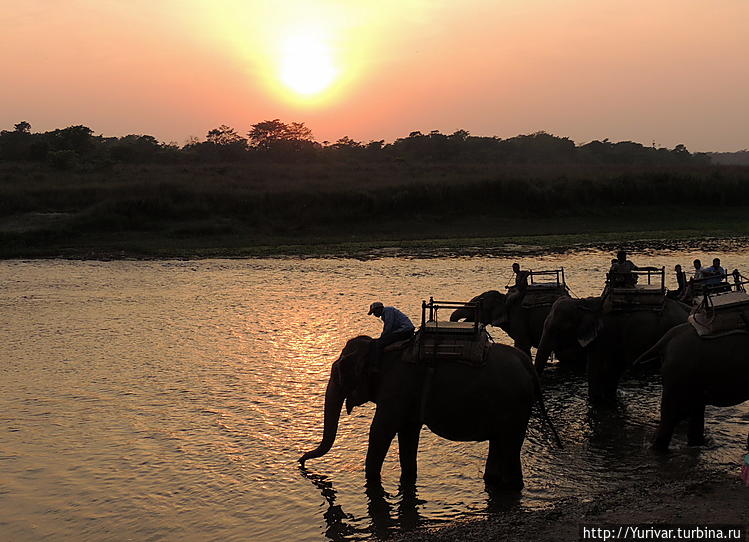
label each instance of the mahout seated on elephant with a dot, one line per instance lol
(610, 339)
(396, 326)
(524, 324)
(457, 401)
(621, 274)
(681, 281)
(698, 371)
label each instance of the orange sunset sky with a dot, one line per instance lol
(658, 70)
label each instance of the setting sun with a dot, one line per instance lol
(307, 65)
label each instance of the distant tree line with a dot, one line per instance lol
(274, 140)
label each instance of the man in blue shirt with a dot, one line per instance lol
(396, 325)
(715, 273)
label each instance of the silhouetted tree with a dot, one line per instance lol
(73, 138)
(281, 139)
(135, 148)
(295, 141)
(347, 143)
(23, 127)
(268, 133)
(15, 144)
(225, 135)
(222, 144)
(459, 135)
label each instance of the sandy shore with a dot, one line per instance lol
(708, 498)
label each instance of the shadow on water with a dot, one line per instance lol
(391, 514)
(386, 518)
(336, 520)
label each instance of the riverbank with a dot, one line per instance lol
(359, 210)
(640, 228)
(706, 498)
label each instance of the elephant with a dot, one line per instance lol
(698, 371)
(457, 401)
(611, 340)
(524, 325)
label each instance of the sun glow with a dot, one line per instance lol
(307, 66)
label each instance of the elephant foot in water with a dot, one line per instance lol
(503, 468)
(695, 435)
(702, 441)
(498, 483)
(604, 402)
(696, 427)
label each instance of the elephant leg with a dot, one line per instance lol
(603, 379)
(523, 347)
(408, 446)
(381, 434)
(669, 419)
(503, 467)
(696, 428)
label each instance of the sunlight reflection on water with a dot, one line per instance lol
(152, 400)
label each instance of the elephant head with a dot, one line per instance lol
(571, 324)
(349, 382)
(492, 308)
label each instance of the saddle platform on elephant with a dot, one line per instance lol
(544, 288)
(645, 290)
(470, 349)
(721, 314)
(465, 342)
(542, 295)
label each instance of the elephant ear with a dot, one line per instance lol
(492, 305)
(588, 329)
(352, 375)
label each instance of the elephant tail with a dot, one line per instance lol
(547, 420)
(542, 409)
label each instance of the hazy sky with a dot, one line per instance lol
(658, 70)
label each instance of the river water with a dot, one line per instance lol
(170, 400)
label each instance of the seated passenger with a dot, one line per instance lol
(715, 274)
(698, 270)
(396, 327)
(521, 277)
(681, 281)
(516, 292)
(621, 273)
(694, 288)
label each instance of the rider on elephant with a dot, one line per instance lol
(689, 291)
(681, 281)
(621, 272)
(396, 327)
(716, 273)
(517, 292)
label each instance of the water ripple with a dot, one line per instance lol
(171, 400)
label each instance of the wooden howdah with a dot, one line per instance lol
(439, 340)
(721, 313)
(648, 293)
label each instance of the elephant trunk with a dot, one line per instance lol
(543, 353)
(334, 398)
(461, 313)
